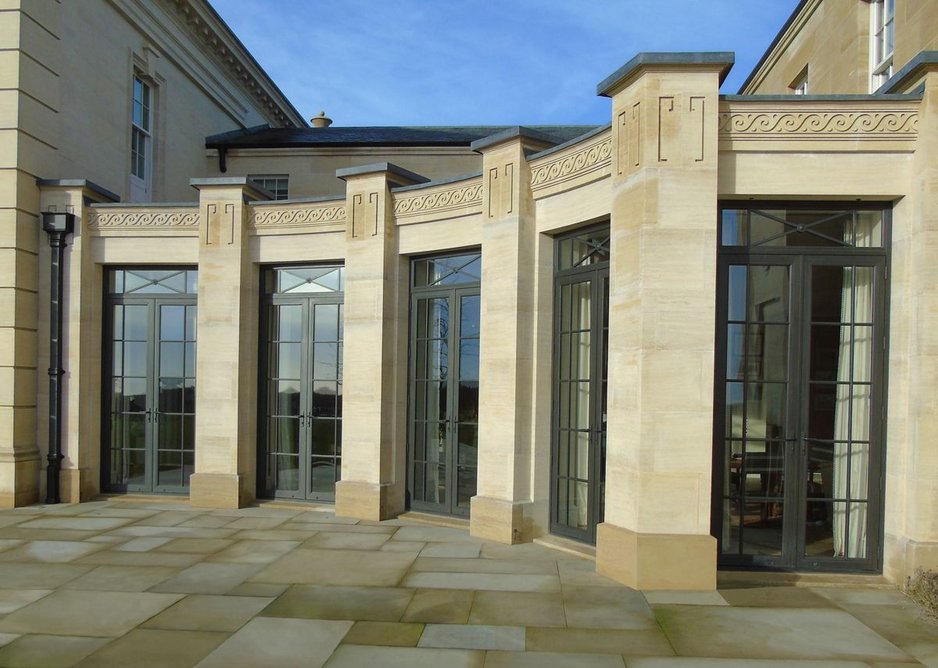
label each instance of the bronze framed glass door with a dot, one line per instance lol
(149, 434)
(301, 427)
(800, 380)
(581, 324)
(444, 384)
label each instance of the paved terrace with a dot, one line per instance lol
(138, 584)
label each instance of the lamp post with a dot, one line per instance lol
(57, 226)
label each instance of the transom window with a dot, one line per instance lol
(277, 185)
(583, 250)
(450, 270)
(293, 280)
(153, 281)
(770, 228)
(882, 45)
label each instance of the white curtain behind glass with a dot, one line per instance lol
(851, 415)
(581, 355)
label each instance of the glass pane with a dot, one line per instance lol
(325, 360)
(134, 395)
(134, 434)
(170, 468)
(287, 322)
(135, 358)
(284, 435)
(734, 409)
(737, 292)
(134, 472)
(170, 392)
(117, 359)
(829, 354)
(324, 437)
(287, 398)
(768, 293)
(469, 316)
(850, 529)
(762, 527)
(170, 432)
(286, 473)
(863, 294)
(324, 399)
(735, 351)
(136, 321)
(733, 227)
(188, 432)
(172, 323)
(172, 359)
(191, 315)
(326, 322)
(830, 294)
(822, 403)
(323, 474)
(765, 410)
(285, 360)
(468, 401)
(469, 359)
(869, 229)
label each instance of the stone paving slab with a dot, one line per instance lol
(158, 583)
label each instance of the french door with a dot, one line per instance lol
(581, 325)
(800, 391)
(444, 383)
(149, 431)
(301, 455)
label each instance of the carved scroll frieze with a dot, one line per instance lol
(134, 220)
(826, 125)
(297, 216)
(450, 199)
(593, 156)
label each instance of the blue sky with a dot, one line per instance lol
(482, 62)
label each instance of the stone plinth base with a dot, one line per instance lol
(498, 520)
(656, 561)
(903, 557)
(217, 490)
(19, 478)
(368, 501)
(71, 482)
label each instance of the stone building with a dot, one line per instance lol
(702, 335)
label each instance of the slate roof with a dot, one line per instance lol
(263, 136)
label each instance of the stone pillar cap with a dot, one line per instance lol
(102, 193)
(395, 173)
(677, 61)
(230, 181)
(516, 132)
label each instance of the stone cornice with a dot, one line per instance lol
(214, 36)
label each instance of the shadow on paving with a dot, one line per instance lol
(121, 582)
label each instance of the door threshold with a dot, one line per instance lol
(741, 579)
(435, 520)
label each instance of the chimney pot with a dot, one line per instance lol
(320, 120)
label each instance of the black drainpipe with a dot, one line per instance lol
(57, 226)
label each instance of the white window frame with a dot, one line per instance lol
(799, 86)
(277, 184)
(882, 41)
(143, 98)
